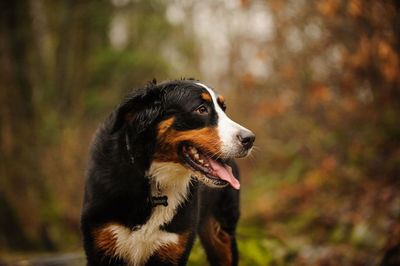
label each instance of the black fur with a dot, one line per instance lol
(117, 190)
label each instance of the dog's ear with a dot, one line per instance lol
(139, 108)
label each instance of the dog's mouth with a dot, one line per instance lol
(212, 172)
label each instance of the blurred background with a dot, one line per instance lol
(317, 81)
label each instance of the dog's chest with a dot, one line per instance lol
(167, 179)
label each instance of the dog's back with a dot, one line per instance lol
(160, 171)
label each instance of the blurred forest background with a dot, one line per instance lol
(317, 81)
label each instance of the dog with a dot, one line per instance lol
(160, 172)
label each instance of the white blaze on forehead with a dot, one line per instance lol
(227, 129)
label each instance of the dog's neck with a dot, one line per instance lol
(157, 198)
(170, 180)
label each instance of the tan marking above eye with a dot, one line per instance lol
(220, 99)
(206, 96)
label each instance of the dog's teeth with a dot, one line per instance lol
(206, 165)
(197, 156)
(193, 150)
(201, 161)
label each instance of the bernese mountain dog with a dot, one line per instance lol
(161, 171)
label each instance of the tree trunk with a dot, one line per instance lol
(22, 185)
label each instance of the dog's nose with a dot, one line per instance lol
(246, 138)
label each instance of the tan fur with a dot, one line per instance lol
(206, 97)
(172, 252)
(216, 239)
(168, 140)
(105, 240)
(220, 99)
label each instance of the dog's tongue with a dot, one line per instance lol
(225, 173)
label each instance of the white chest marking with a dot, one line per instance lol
(137, 246)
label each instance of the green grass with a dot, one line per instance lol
(255, 248)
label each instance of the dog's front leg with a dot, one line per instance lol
(220, 246)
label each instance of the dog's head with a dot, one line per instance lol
(191, 128)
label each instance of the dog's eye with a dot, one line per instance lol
(202, 110)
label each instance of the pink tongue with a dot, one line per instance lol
(225, 173)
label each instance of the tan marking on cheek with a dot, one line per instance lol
(164, 126)
(206, 96)
(173, 252)
(216, 241)
(207, 139)
(105, 240)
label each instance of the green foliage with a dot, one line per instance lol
(255, 248)
(197, 255)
